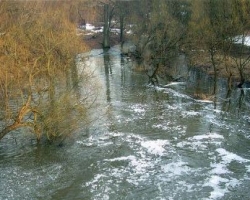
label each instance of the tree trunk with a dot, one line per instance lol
(18, 120)
(242, 79)
(121, 27)
(229, 81)
(8, 129)
(153, 78)
(106, 28)
(212, 57)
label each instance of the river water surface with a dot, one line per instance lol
(153, 143)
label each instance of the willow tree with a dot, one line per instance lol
(37, 56)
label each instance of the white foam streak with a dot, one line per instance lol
(219, 184)
(121, 159)
(208, 136)
(175, 83)
(228, 157)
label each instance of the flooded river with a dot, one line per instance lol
(153, 143)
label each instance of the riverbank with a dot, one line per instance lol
(228, 71)
(94, 41)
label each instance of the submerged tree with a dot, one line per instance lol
(158, 36)
(37, 56)
(107, 24)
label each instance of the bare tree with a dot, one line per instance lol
(213, 29)
(157, 37)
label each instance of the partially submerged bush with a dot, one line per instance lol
(38, 76)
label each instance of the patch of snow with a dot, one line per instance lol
(115, 30)
(242, 39)
(90, 27)
(129, 32)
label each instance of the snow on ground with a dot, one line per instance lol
(239, 39)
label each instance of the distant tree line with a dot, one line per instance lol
(207, 31)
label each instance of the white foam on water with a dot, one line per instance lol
(129, 158)
(197, 146)
(103, 141)
(215, 182)
(137, 108)
(201, 142)
(96, 179)
(176, 169)
(145, 166)
(248, 168)
(175, 83)
(228, 157)
(191, 113)
(219, 168)
(158, 88)
(140, 167)
(208, 136)
(203, 101)
(177, 94)
(155, 147)
(29, 181)
(219, 184)
(162, 127)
